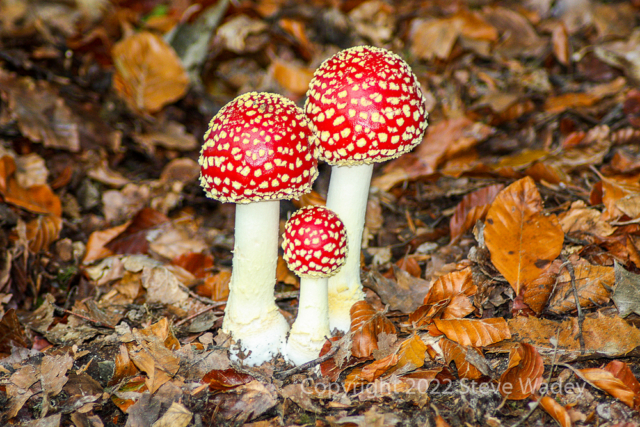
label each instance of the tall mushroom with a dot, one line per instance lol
(315, 246)
(366, 106)
(258, 150)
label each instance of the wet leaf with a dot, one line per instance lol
(521, 239)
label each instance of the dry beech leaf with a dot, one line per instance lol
(424, 314)
(226, 379)
(456, 286)
(536, 293)
(366, 325)
(604, 337)
(43, 231)
(411, 355)
(474, 332)
(312, 198)
(12, 333)
(614, 193)
(403, 294)
(96, 245)
(623, 372)
(581, 221)
(197, 264)
(560, 43)
(593, 283)
(625, 295)
(41, 114)
(556, 411)
(124, 367)
(133, 240)
(216, 286)
(609, 382)
(370, 372)
(38, 199)
(521, 239)
(454, 352)
(149, 74)
(523, 376)
(473, 207)
(333, 367)
(291, 77)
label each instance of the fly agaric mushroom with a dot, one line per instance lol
(315, 246)
(258, 150)
(366, 106)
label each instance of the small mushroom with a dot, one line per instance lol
(258, 149)
(366, 106)
(315, 247)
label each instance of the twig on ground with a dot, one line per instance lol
(567, 264)
(88, 319)
(284, 374)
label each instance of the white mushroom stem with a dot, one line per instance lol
(309, 331)
(251, 315)
(347, 197)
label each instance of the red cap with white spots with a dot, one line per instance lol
(315, 242)
(260, 146)
(366, 105)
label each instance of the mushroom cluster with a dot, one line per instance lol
(315, 248)
(259, 149)
(366, 106)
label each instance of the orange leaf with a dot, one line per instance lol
(43, 231)
(366, 325)
(225, 379)
(133, 240)
(522, 241)
(149, 74)
(456, 286)
(454, 352)
(411, 355)
(195, 263)
(477, 333)
(216, 286)
(98, 239)
(472, 207)
(523, 377)
(592, 283)
(556, 410)
(608, 382)
(536, 293)
(622, 371)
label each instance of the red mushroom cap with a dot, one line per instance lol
(366, 106)
(259, 146)
(315, 242)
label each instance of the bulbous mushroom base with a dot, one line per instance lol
(264, 337)
(302, 347)
(340, 307)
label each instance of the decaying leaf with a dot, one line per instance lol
(473, 207)
(592, 282)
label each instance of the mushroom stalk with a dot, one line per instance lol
(347, 197)
(311, 328)
(252, 315)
